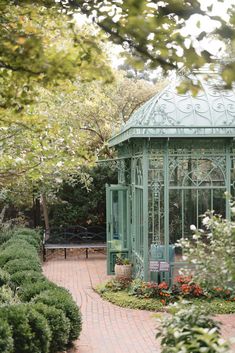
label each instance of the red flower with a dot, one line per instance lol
(218, 289)
(183, 279)
(186, 288)
(163, 285)
(197, 290)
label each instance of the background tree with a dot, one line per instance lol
(41, 48)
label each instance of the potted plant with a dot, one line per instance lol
(123, 268)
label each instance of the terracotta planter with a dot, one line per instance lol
(123, 271)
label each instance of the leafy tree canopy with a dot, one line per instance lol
(151, 31)
(42, 49)
(41, 45)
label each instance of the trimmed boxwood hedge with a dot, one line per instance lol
(59, 325)
(5, 235)
(63, 300)
(32, 321)
(13, 266)
(15, 251)
(29, 290)
(20, 278)
(6, 339)
(31, 332)
(4, 277)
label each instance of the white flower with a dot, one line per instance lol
(193, 227)
(233, 209)
(205, 221)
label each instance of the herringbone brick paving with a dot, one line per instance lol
(108, 328)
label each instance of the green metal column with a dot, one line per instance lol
(228, 178)
(145, 211)
(166, 200)
(108, 226)
(133, 210)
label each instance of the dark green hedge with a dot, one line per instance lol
(59, 325)
(37, 316)
(62, 300)
(6, 339)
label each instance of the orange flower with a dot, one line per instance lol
(163, 301)
(163, 285)
(218, 289)
(197, 290)
(186, 288)
(183, 279)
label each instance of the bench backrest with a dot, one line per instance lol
(77, 235)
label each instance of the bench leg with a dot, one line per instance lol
(44, 253)
(65, 254)
(86, 253)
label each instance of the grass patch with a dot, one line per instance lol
(123, 299)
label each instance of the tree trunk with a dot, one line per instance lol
(45, 215)
(36, 212)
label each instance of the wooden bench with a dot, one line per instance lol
(93, 237)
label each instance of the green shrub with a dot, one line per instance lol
(22, 265)
(41, 330)
(64, 301)
(16, 252)
(213, 265)
(30, 290)
(4, 277)
(31, 332)
(30, 232)
(31, 240)
(191, 330)
(116, 285)
(23, 277)
(5, 235)
(6, 339)
(7, 296)
(21, 241)
(59, 326)
(31, 235)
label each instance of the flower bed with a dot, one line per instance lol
(156, 297)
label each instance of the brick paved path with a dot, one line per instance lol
(106, 327)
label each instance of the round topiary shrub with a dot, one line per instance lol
(7, 296)
(4, 277)
(30, 290)
(16, 251)
(31, 239)
(17, 265)
(6, 339)
(64, 301)
(21, 278)
(5, 235)
(22, 240)
(40, 329)
(30, 330)
(59, 326)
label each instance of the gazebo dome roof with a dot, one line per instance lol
(211, 113)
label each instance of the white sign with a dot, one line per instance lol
(159, 266)
(164, 266)
(154, 266)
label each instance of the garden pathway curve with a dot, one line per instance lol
(107, 328)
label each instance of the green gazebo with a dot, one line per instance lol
(175, 161)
